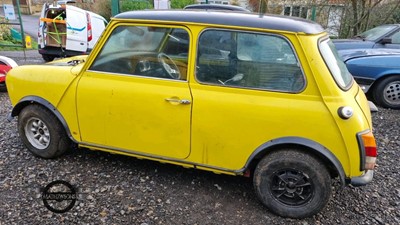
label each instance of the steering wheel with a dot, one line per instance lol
(171, 69)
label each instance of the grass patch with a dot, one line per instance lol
(13, 42)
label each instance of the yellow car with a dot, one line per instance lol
(233, 93)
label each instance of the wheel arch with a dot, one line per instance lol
(311, 147)
(29, 100)
(380, 78)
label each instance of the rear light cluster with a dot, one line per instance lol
(368, 149)
(89, 27)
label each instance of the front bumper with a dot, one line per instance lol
(363, 179)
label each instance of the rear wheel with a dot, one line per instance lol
(48, 58)
(293, 184)
(387, 92)
(42, 133)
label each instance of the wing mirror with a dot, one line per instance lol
(386, 40)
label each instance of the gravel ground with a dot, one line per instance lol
(115, 189)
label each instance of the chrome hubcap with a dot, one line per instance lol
(37, 133)
(392, 93)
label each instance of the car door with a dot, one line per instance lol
(77, 37)
(41, 33)
(127, 100)
(394, 37)
(395, 40)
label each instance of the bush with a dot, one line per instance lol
(179, 4)
(5, 33)
(129, 5)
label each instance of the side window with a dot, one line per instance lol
(145, 51)
(396, 38)
(248, 60)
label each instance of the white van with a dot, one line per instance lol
(66, 30)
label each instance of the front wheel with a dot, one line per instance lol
(293, 184)
(42, 133)
(387, 92)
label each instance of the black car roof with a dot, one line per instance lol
(231, 18)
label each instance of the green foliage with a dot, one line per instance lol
(179, 4)
(129, 5)
(5, 33)
(7, 39)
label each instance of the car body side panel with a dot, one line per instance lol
(334, 98)
(237, 131)
(41, 33)
(58, 79)
(132, 113)
(374, 67)
(77, 33)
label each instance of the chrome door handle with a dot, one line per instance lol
(179, 101)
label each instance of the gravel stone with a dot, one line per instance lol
(116, 189)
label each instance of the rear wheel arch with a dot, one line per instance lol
(26, 101)
(303, 145)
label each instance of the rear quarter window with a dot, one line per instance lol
(336, 66)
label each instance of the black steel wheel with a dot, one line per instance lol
(292, 183)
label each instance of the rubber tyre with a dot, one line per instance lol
(48, 58)
(392, 86)
(50, 128)
(304, 175)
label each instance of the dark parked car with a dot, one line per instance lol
(216, 7)
(384, 36)
(377, 71)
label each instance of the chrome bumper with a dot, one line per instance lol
(363, 179)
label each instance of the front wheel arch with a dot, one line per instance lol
(302, 144)
(44, 103)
